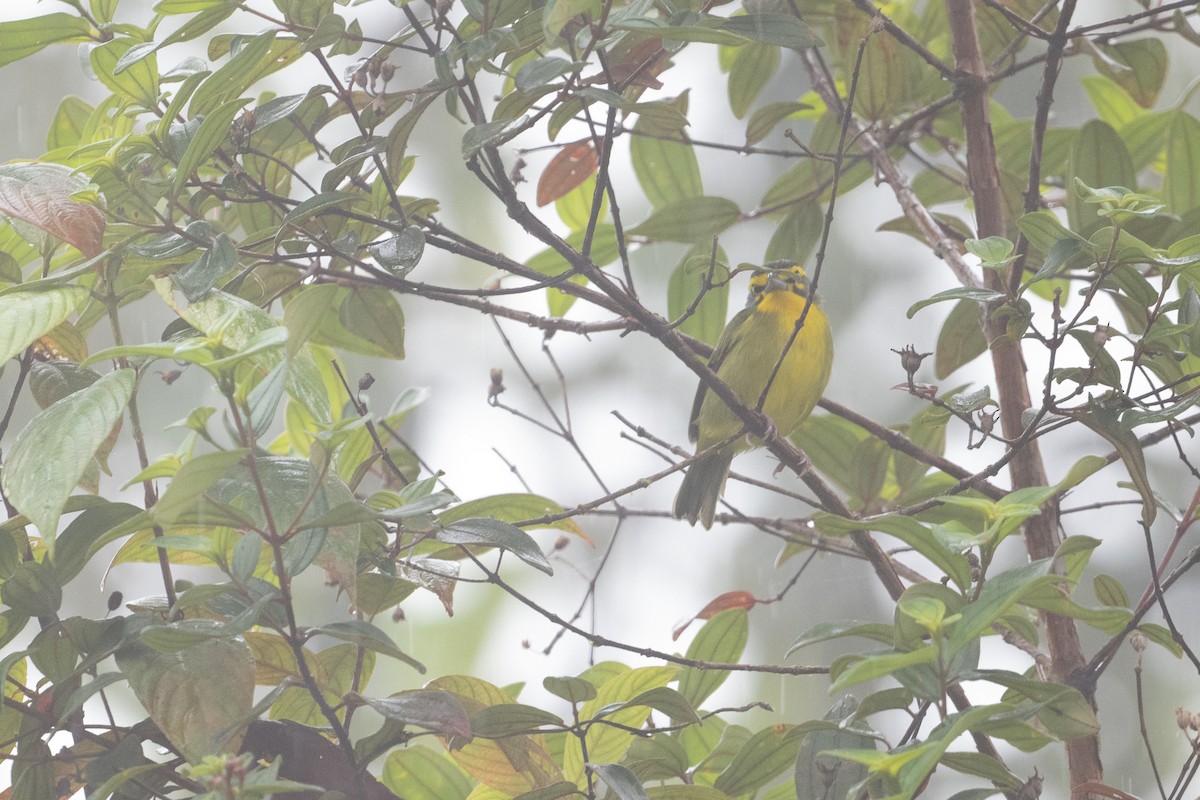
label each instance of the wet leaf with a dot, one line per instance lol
(570, 167)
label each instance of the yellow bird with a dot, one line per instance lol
(744, 358)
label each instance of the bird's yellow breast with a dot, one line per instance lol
(761, 338)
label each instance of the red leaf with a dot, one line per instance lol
(40, 194)
(570, 167)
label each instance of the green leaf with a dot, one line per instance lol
(665, 700)
(764, 120)
(1109, 591)
(435, 711)
(137, 80)
(783, 30)
(992, 250)
(573, 690)
(621, 780)
(24, 37)
(1180, 187)
(199, 697)
(1141, 66)
(366, 635)
(552, 792)
(559, 12)
(375, 321)
(196, 279)
(666, 166)
(400, 253)
(606, 743)
(235, 76)
(693, 219)
(50, 455)
(1102, 418)
(722, 640)
(1044, 231)
(421, 773)
(913, 533)
(517, 509)
(1162, 637)
(68, 124)
(878, 665)
(319, 203)
(1063, 710)
(489, 134)
(997, 596)
(32, 589)
(540, 71)
(236, 322)
(213, 130)
(753, 67)
(762, 759)
(1112, 103)
(194, 478)
(982, 766)
(687, 280)
(487, 532)
(960, 340)
(825, 631)
(820, 776)
(507, 719)
(26, 316)
(1057, 257)
(977, 295)
(1098, 158)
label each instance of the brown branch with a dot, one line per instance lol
(1027, 468)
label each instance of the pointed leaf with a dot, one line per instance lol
(435, 711)
(42, 195)
(52, 452)
(570, 167)
(507, 719)
(27, 316)
(621, 780)
(208, 137)
(722, 639)
(199, 696)
(759, 761)
(486, 532)
(666, 167)
(366, 635)
(693, 219)
(24, 37)
(421, 773)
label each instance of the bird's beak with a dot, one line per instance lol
(775, 284)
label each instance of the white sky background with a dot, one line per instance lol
(661, 571)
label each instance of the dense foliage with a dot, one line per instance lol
(274, 233)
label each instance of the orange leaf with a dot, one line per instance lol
(570, 167)
(738, 599)
(724, 602)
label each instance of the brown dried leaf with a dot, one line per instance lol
(570, 167)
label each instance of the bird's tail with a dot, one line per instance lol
(702, 487)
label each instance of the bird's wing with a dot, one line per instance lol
(725, 344)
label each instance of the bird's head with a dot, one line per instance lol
(778, 276)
